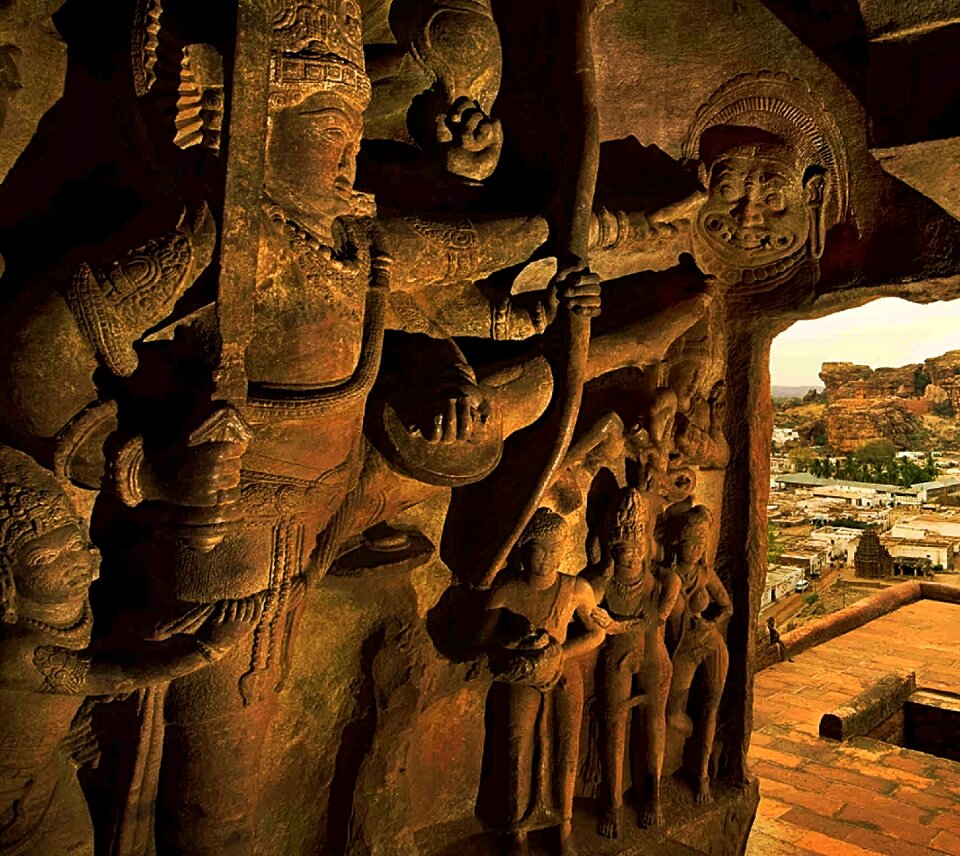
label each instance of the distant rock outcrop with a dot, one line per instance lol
(944, 372)
(852, 422)
(865, 404)
(851, 381)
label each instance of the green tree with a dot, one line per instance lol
(801, 459)
(877, 452)
(774, 547)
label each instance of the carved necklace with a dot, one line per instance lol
(310, 251)
(628, 589)
(81, 627)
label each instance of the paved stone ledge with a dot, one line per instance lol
(861, 797)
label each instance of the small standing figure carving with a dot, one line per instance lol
(535, 705)
(700, 640)
(634, 667)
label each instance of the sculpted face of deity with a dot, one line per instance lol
(757, 207)
(693, 540)
(542, 556)
(311, 160)
(56, 567)
(542, 544)
(45, 554)
(629, 555)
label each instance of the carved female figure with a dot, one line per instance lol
(633, 670)
(534, 707)
(47, 666)
(699, 640)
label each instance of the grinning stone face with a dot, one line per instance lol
(755, 213)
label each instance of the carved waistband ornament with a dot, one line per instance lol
(317, 46)
(775, 167)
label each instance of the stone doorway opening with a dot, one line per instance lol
(866, 414)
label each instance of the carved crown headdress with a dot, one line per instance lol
(628, 517)
(32, 503)
(317, 46)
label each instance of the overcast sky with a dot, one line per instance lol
(887, 332)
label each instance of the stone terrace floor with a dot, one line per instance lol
(861, 797)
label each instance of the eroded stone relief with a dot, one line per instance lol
(426, 509)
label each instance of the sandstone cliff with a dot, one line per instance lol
(853, 422)
(867, 404)
(851, 381)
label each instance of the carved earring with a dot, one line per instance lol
(814, 187)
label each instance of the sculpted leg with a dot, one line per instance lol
(639, 344)
(683, 670)
(658, 685)
(615, 684)
(509, 753)
(716, 663)
(568, 706)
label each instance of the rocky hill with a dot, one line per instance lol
(913, 406)
(853, 422)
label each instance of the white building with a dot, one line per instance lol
(842, 541)
(940, 551)
(782, 436)
(858, 494)
(780, 582)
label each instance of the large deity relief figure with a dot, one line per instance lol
(47, 666)
(322, 303)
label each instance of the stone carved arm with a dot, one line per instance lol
(643, 342)
(718, 593)
(625, 242)
(53, 341)
(190, 474)
(586, 611)
(431, 256)
(70, 672)
(669, 592)
(516, 669)
(115, 304)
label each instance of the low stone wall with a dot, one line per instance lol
(865, 714)
(856, 615)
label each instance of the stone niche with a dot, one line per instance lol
(385, 410)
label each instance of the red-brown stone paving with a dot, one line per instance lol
(862, 797)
